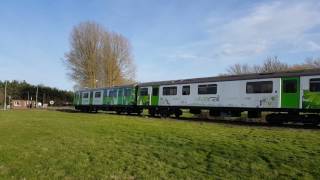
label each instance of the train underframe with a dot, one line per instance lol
(118, 109)
(272, 115)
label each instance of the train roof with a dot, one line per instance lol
(308, 72)
(114, 87)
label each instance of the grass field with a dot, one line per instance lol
(51, 144)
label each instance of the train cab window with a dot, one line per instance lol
(127, 92)
(259, 87)
(315, 85)
(185, 90)
(207, 89)
(97, 94)
(169, 91)
(290, 86)
(144, 92)
(85, 95)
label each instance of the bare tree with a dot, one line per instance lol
(98, 58)
(272, 64)
(238, 69)
(312, 63)
(82, 60)
(309, 63)
(119, 67)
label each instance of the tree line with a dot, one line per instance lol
(21, 90)
(272, 64)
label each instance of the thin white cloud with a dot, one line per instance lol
(267, 28)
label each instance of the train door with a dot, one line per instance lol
(79, 99)
(143, 96)
(290, 93)
(91, 98)
(155, 96)
(120, 96)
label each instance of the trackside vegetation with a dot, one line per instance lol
(51, 144)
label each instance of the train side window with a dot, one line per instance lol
(185, 90)
(315, 85)
(105, 93)
(259, 87)
(127, 92)
(113, 93)
(120, 92)
(290, 86)
(144, 92)
(97, 94)
(207, 89)
(85, 95)
(169, 91)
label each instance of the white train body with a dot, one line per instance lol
(228, 94)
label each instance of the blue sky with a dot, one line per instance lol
(170, 39)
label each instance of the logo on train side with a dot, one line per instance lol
(209, 99)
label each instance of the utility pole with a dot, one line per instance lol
(37, 96)
(5, 97)
(28, 102)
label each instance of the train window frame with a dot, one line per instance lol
(257, 87)
(170, 91)
(288, 89)
(185, 90)
(85, 95)
(314, 85)
(145, 92)
(99, 93)
(205, 89)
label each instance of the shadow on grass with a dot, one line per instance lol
(231, 121)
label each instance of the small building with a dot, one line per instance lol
(22, 104)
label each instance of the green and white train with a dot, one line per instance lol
(291, 96)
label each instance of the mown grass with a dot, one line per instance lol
(53, 145)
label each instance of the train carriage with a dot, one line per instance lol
(120, 99)
(287, 92)
(293, 94)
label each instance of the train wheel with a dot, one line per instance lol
(139, 112)
(164, 113)
(276, 119)
(178, 113)
(152, 112)
(118, 111)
